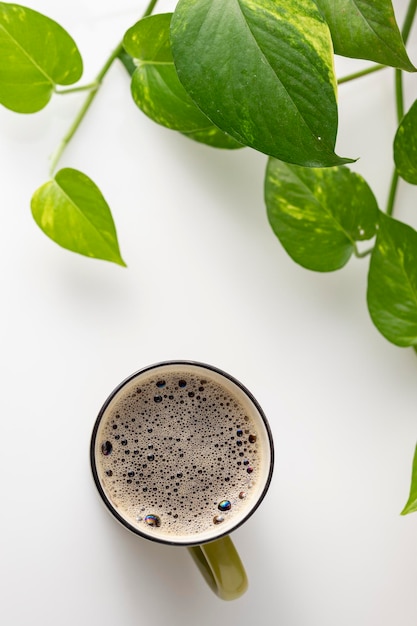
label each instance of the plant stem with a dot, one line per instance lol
(93, 90)
(82, 112)
(360, 73)
(392, 193)
(399, 95)
(128, 62)
(149, 9)
(361, 255)
(399, 99)
(63, 92)
(409, 18)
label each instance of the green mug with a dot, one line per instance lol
(182, 454)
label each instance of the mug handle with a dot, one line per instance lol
(221, 567)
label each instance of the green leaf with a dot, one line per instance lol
(366, 29)
(405, 146)
(318, 214)
(411, 505)
(156, 88)
(36, 55)
(71, 210)
(263, 72)
(392, 282)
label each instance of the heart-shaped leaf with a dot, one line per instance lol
(72, 211)
(405, 146)
(318, 214)
(366, 29)
(392, 282)
(36, 55)
(156, 88)
(411, 505)
(262, 71)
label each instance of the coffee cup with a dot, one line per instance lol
(182, 454)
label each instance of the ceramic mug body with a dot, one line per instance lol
(182, 454)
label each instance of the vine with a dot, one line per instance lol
(251, 74)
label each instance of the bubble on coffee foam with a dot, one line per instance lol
(106, 448)
(148, 461)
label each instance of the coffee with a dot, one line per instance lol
(181, 453)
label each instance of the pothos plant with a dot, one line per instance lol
(233, 74)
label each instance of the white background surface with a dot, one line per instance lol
(206, 280)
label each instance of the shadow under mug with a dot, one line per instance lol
(182, 454)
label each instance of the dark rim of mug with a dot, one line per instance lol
(102, 492)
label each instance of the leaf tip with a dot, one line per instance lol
(347, 160)
(327, 160)
(410, 507)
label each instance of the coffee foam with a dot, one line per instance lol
(182, 454)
